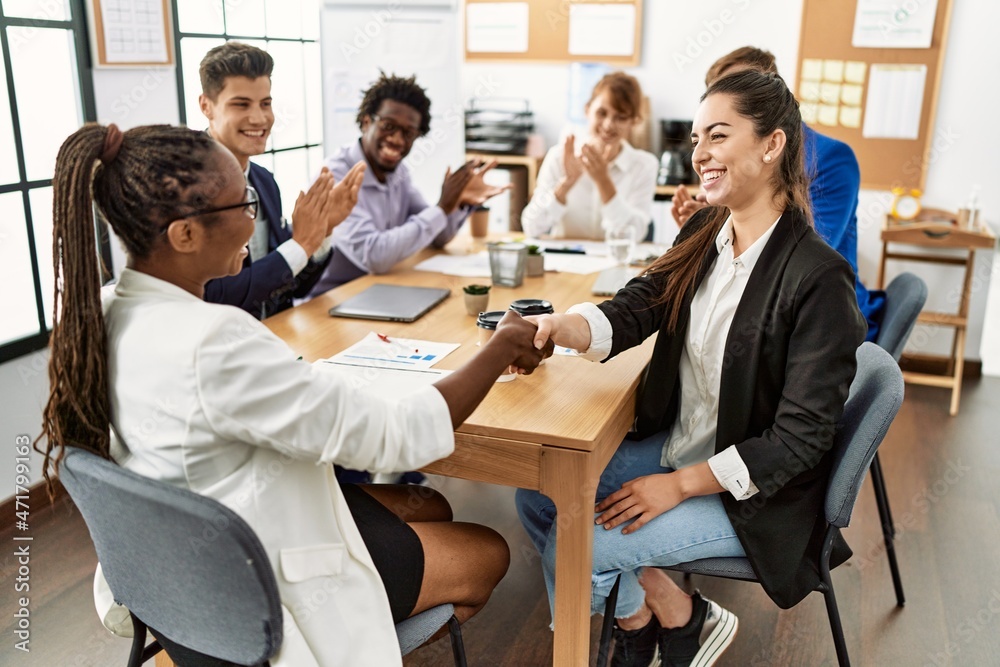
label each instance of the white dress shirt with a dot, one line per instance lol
(584, 215)
(207, 398)
(692, 437)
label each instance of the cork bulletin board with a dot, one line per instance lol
(607, 31)
(835, 91)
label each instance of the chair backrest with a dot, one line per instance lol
(874, 399)
(184, 564)
(904, 299)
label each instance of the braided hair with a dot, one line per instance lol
(140, 181)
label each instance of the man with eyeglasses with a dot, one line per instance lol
(283, 263)
(392, 220)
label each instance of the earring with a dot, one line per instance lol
(767, 158)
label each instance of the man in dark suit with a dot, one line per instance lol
(284, 261)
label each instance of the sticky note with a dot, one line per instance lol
(809, 91)
(808, 111)
(833, 70)
(854, 71)
(850, 94)
(812, 70)
(850, 116)
(829, 93)
(827, 115)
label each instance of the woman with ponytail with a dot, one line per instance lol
(757, 327)
(205, 397)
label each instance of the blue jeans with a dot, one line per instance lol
(697, 528)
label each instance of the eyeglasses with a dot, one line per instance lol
(391, 127)
(251, 204)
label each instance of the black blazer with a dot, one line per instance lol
(267, 286)
(788, 364)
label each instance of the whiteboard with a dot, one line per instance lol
(358, 39)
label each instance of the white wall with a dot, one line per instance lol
(127, 98)
(675, 58)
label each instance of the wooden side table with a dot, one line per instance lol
(931, 230)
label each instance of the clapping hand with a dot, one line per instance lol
(343, 197)
(595, 161)
(309, 217)
(572, 164)
(477, 190)
(454, 185)
(684, 205)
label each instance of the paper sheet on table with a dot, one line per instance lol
(468, 266)
(895, 99)
(889, 24)
(379, 351)
(582, 264)
(390, 383)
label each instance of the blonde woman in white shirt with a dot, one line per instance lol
(605, 184)
(205, 397)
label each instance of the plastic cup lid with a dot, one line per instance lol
(532, 306)
(489, 320)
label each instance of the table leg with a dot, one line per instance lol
(958, 359)
(567, 478)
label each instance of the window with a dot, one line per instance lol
(46, 103)
(288, 30)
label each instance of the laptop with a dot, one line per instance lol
(609, 281)
(391, 303)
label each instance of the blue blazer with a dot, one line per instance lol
(267, 286)
(835, 181)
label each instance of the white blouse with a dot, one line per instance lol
(692, 437)
(584, 215)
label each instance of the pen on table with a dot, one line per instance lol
(385, 339)
(567, 251)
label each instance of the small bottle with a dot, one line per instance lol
(972, 222)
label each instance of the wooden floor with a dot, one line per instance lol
(943, 476)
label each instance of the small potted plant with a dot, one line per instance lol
(477, 299)
(534, 263)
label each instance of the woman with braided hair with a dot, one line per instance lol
(205, 397)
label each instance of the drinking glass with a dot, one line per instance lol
(621, 244)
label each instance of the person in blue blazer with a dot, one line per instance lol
(284, 261)
(835, 181)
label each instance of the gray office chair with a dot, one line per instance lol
(875, 397)
(904, 299)
(193, 571)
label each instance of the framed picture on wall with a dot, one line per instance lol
(130, 33)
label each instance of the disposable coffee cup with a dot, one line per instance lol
(487, 323)
(479, 223)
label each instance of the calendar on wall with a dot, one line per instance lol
(130, 33)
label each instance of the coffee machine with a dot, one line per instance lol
(675, 156)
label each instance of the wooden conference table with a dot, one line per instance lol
(553, 431)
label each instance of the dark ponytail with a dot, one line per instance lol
(140, 180)
(765, 100)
